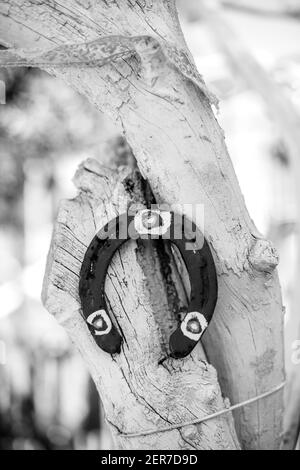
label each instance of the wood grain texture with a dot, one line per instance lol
(140, 388)
(180, 149)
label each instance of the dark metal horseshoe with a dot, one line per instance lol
(147, 224)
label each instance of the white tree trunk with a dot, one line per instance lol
(180, 149)
(140, 388)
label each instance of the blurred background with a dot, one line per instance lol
(249, 54)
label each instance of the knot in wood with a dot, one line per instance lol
(263, 256)
(190, 432)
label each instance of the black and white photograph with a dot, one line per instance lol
(149, 228)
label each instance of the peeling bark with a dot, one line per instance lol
(180, 150)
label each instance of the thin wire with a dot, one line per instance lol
(205, 418)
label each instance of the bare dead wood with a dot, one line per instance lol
(140, 388)
(180, 149)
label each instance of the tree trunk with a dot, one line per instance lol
(180, 150)
(141, 388)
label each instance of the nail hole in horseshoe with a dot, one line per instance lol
(197, 260)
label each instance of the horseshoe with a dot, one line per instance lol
(196, 254)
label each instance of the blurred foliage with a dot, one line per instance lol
(42, 119)
(47, 400)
